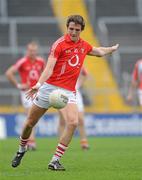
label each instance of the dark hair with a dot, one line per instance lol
(77, 19)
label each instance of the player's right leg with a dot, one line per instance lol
(34, 115)
(27, 103)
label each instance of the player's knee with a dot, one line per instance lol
(73, 123)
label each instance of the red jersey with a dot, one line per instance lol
(137, 73)
(70, 57)
(30, 71)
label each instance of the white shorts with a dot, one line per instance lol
(27, 103)
(42, 97)
(140, 96)
(80, 104)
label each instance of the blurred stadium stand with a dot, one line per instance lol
(26, 8)
(47, 33)
(4, 35)
(114, 21)
(21, 22)
(120, 22)
(114, 8)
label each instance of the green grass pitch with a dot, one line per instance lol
(109, 158)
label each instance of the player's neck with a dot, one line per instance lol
(32, 59)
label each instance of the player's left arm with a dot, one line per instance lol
(48, 69)
(102, 51)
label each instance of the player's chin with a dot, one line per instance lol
(73, 38)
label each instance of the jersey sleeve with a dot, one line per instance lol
(89, 47)
(55, 51)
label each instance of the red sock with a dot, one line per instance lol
(61, 148)
(23, 142)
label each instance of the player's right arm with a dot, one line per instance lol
(44, 76)
(52, 59)
(48, 69)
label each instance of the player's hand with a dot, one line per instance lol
(31, 92)
(115, 47)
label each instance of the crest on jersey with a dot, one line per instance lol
(74, 60)
(82, 50)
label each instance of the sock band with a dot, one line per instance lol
(23, 142)
(60, 150)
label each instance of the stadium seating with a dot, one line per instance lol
(27, 8)
(15, 33)
(45, 34)
(8, 98)
(4, 35)
(131, 36)
(123, 27)
(115, 8)
(128, 60)
(9, 58)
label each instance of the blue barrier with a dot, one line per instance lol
(96, 125)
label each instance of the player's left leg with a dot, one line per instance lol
(27, 103)
(34, 115)
(71, 113)
(62, 122)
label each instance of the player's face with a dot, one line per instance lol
(74, 31)
(32, 51)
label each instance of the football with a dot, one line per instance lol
(58, 99)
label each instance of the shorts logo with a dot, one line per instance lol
(36, 98)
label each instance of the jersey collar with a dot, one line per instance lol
(30, 60)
